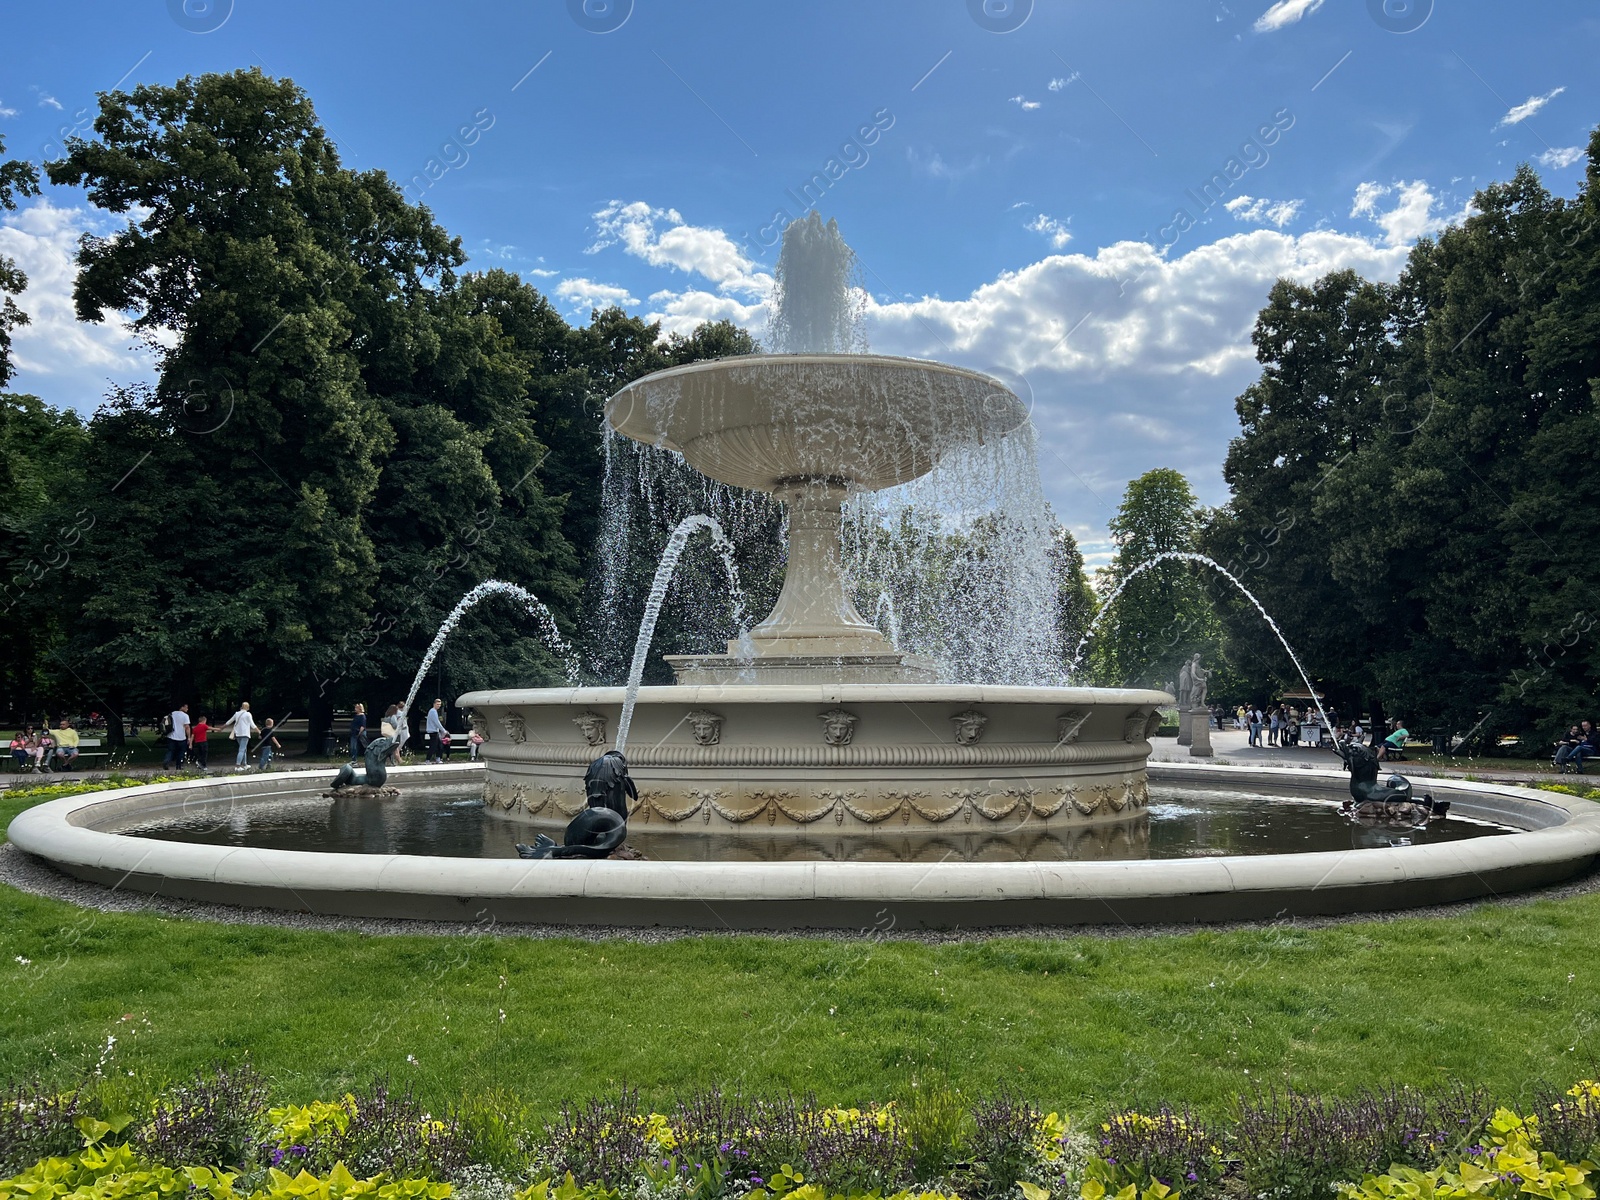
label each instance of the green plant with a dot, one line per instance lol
(1511, 1167)
(494, 1123)
(1167, 1148)
(938, 1125)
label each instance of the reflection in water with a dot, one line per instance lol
(1182, 822)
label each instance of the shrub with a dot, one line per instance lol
(1296, 1147)
(36, 1123)
(214, 1120)
(1170, 1149)
(1013, 1142)
(374, 1132)
(1511, 1167)
(938, 1127)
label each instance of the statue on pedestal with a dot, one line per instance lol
(371, 782)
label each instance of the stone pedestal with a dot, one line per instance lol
(1199, 732)
(1185, 734)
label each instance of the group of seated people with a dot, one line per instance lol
(45, 749)
(1580, 743)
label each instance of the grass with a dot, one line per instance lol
(1499, 995)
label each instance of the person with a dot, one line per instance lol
(46, 747)
(1255, 726)
(435, 731)
(199, 743)
(402, 733)
(1239, 717)
(177, 737)
(242, 725)
(269, 744)
(19, 751)
(358, 732)
(474, 740)
(1274, 725)
(66, 744)
(1579, 744)
(1394, 745)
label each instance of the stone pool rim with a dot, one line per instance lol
(1558, 838)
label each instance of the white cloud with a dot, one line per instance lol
(46, 100)
(1256, 211)
(66, 362)
(1284, 13)
(6, 111)
(1130, 360)
(661, 238)
(586, 294)
(1416, 210)
(1053, 229)
(1562, 157)
(1528, 107)
(1025, 104)
(543, 272)
(1058, 83)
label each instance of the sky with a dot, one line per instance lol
(1088, 200)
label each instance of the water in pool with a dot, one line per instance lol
(1182, 822)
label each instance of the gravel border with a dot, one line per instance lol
(29, 874)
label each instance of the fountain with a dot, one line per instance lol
(815, 712)
(817, 775)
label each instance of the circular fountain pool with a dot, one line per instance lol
(1217, 843)
(452, 821)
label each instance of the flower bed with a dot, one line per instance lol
(216, 1138)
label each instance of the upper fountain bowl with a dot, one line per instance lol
(770, 421)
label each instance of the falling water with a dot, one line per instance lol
(658, 592)
(886, 604)
(645, 493)
(968, 555)
(1190, 556)
(495, 587)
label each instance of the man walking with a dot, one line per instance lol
(435, 732)
(177, 738)
(242, 725)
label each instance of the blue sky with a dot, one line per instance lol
(1014, 202)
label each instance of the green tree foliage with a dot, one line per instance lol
(1321, 401)
(17, 178)
(1163, 614)
(41, 455)
(346, 433)
(1433, 445)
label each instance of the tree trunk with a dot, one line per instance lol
(319, 725)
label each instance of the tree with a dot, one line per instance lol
(1322, 401)
(1408, 485)
(277, 275)
(16, 179)
(1163, 614)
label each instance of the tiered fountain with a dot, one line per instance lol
(815, 713)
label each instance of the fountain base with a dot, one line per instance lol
(771, 759)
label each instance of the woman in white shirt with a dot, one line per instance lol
(243, 725)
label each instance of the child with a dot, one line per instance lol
(19, 751)
(268, 744)
(199, 732)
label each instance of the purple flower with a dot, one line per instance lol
(298, 1151)
(277, 1156)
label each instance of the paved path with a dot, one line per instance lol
(1232, 747)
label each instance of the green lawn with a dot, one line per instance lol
(1497, 995)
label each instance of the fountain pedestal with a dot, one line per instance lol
(1199, 722)
(814, 633)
